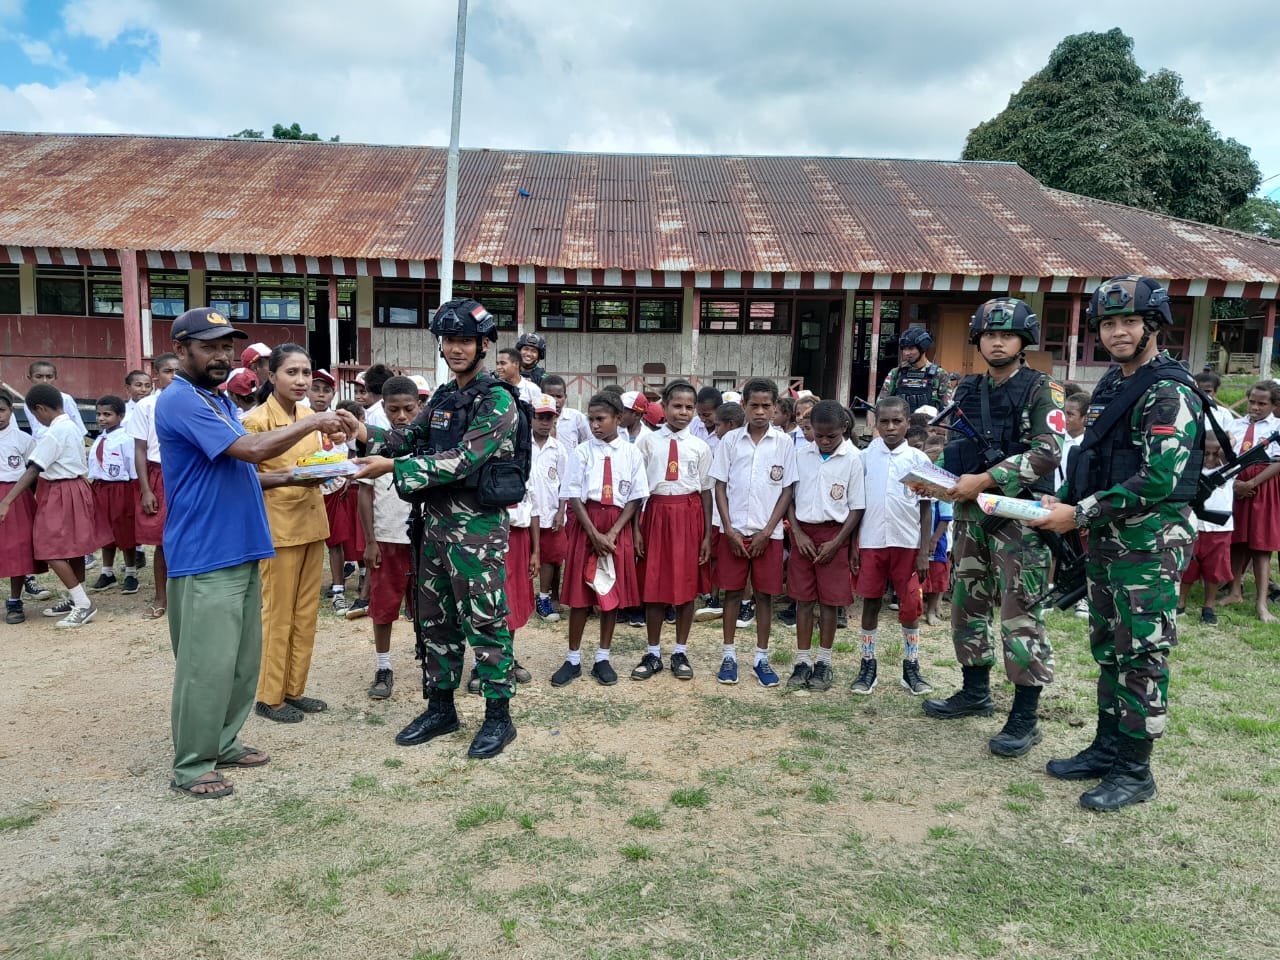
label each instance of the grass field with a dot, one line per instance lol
(653, 820)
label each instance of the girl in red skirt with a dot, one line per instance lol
(115, 493)
(66, 526)
(674, 539)
(1257, 491)
(522, 566)
(605, 485)
(546, 474)
(16, 558)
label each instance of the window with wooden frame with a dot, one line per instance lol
(10, 290)
(733, 311)
(168, 294)
(61, 290)
(1055, 330)
(410, 303)
(611, 310)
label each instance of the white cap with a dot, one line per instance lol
(928, 410)
(601, 575)
(731, 396)
(629, 400)
(424, 388)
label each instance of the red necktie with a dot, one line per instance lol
(606, 487)
(673, 461)
(1247, 444)
(102, 442)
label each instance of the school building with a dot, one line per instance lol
(636, 269)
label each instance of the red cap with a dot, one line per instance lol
(654, 414)
(241, 383)
(253, 353)
(326, 376)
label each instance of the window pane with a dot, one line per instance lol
(10, 297)
(769, 316)
(721, 316)
(395, 308)
(234, 303)
(281, 306)
(559, 312)
(108, 298)
(610, 315)
(168, 301)
(661, 316)
(60, 295)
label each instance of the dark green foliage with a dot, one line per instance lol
(280, 132)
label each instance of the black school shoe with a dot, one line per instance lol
(604, 673)
(105, 581)
(281, 714)
(567, 673)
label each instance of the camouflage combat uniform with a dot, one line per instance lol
(1139, 542)
(1004, 563)
(931, 385)
(461, 581)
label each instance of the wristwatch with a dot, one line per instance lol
(1082, 517)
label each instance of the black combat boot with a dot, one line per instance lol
(1021, 732)
(1128, 781)
(1093, 761)
(973, 699)
(496, 731)
(439, 718)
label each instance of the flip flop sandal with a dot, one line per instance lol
(238, 761)
(154, 613)
(223, 789)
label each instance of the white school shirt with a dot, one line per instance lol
(376, 416)
(390, 513)
(550, 463)
(15, 450)
(1261, 430)
(69, 409)
(1222, 499)
(572, 428)
(1060, 472)
(60, 451)
(586, 472)
(693, 458)
(142, 426)
(892, 517)
(530, 393)
(117, 457)
(755, 475)
(521, 515)
(827, 490)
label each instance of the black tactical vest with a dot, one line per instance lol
(1002, 431)
(916, 386)
(448, 417)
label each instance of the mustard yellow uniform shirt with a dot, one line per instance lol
(295, 514)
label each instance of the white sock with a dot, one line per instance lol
(602, 654)
(130, 571)
(78, 595)
(804, 656)
(109, 571)
(384, 660)
(574, 657)
(824, 655)
(543, 596)
(680, 648)
(361, 570)
(762, 656)
(339, 589)
(655, 649)
(731, 651)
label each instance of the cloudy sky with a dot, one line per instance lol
(798, 77)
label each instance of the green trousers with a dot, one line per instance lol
(215, 627)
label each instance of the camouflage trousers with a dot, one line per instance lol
(1133, 599)
(1005, 568)
(461, 599)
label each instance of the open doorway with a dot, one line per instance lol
(815, 344)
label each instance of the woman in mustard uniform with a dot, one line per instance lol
(299, 527)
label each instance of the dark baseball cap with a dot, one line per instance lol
(204, 323)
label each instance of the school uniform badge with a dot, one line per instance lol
(837, 491)
(113, 470)
(551, 472)
(775, 472)
(14, 461)
(624, 487)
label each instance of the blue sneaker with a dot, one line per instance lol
(764, 673)
(545, 610)
(729, 671)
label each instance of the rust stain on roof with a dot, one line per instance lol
(596, 211)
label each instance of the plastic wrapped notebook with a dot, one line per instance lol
(1010, 507)
(324, 465)
(934, 478)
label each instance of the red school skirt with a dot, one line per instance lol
(575, 592)
(519, 583)
(148, 528)
(66, 523)
(672, 527)
(117, 502)
(16, 556)
(343, 510)
(552, 545)
(1257, 518)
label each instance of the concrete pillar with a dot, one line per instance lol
(144, 307)
(333, 322)
(1198, 335)
(132, 301)
(1073, 337)
(848, 334)
(27, 289)
(1268, 341)
(873, 379)
(691, 310)
(195, 289)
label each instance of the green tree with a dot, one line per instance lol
(1093, 122)
(294, 132)
(247, 134)
(1260, 215)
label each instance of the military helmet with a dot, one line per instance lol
(1005, 313)
(1122, 296)
(464, 318)
(535, 341)
(917, 337)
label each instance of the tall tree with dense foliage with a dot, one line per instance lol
(279, 132)
(1093, 122)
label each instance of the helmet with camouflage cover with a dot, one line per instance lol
(1005, 313)
(917, 337)
(1122, 296)
(535, 341)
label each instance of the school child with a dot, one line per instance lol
(65, 527)
(674, 535)
(369, 394)
(785, 416)
(938, 580)
(893, 545)
(605, 485)
(1211, 562)
(359, 607)
(704, 425)
(728, 416)
(16, 558)
(824, 515)
(242, 387)
(137, 384)
(916, 437)
(115, 493)
(547, 471)
(43, 371)
(1074, 409)
(507, 367)
(148, 516)
(1257, 497)
(755, 472)
(522, 564)
(1209, 382)
(384, 519)
(571, 425)
(634, 404)
(346, 542)
(324, 386)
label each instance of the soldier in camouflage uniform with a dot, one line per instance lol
(1014, 415)
(917, 380)
(461, 588)
(1132, 482)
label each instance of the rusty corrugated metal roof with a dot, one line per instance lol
(700, 213)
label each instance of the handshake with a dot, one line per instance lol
(336, 426)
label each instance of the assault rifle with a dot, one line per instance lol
(1069, 582)
(860, 405)
(988, 453)
(1216, 478)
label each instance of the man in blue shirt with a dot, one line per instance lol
(214, 535)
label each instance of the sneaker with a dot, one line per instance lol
(728, 671)
(649, 665)
(1082, 609)
(1208, 616)
(60, 609)
(604, 673)
(787, 616)
(141, 559)
(90, 561)
(911, 680)
(567, 673)
(348, 570)
(1180, 612)
(383, 681)
(713, 610)
(842, 619)
(681, 669)
(747, 613)
(78, 617)
(521, 674)
(130, 586)
(799, 678)
(473, 681)
(866, 681)
(31, 590)
(635, 617)
(105, 581)
(340, 604)
(823, 676)
(13, 612)
(670, 615)
(764, 673)
(546, 610)
(357, 609)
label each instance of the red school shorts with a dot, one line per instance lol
(881, 566)
(731, 571)
(1212, 560)
(117, 502)
(939, 579)
(149, 527)
(391, 582)
(828, 583)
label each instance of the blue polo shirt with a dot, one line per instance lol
(214, 516)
